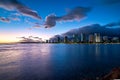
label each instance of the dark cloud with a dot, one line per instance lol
(30, 39)
(91, 29)
(50, 21)
(9, 19)
(113, 24)
(23, 37)
(16, 5)
(77, 13)
(3, 19)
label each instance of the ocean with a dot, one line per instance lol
(57, 61)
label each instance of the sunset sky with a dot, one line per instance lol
(46, 18)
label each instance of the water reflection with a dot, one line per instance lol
(25, 61)
(56, 61)
(36, 62)
(9, 57)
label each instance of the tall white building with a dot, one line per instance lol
(82, 37)
(97, 37)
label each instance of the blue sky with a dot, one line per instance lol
(30, 17)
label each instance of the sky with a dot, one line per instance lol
(46, 18)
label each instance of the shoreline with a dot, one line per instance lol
(52, 43)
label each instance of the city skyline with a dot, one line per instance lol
(74, 38)
(84, 38)
(45, 18)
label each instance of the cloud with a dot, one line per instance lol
(3, 19)
(12, 5)
(91, 29)
(16, 14)
(28, 21)
(37, 26)
(97, 28)
(50, 21)
(113, 24)
(29, 28)
(30, 39)
(10, 18)
(77, 13)
(15, 18)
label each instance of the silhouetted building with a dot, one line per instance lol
(115, 39)
(47, 41)
(105, 39)
(75, 38)
(58, 39)
(65, 39)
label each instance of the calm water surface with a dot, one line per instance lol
(57, 61)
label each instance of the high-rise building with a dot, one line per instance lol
(58, 39)
(115, 39)
(83, 37)
(47, 41)
(91, 38)
(75, 38)
(97, 37)
(65, 39)
(105, 39)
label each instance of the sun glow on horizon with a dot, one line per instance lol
(8, 39)
(15, 38)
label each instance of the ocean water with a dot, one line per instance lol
(57, 61)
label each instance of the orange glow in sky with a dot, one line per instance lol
(5, 38)
(8, 38)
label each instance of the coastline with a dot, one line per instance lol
(52, 43)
